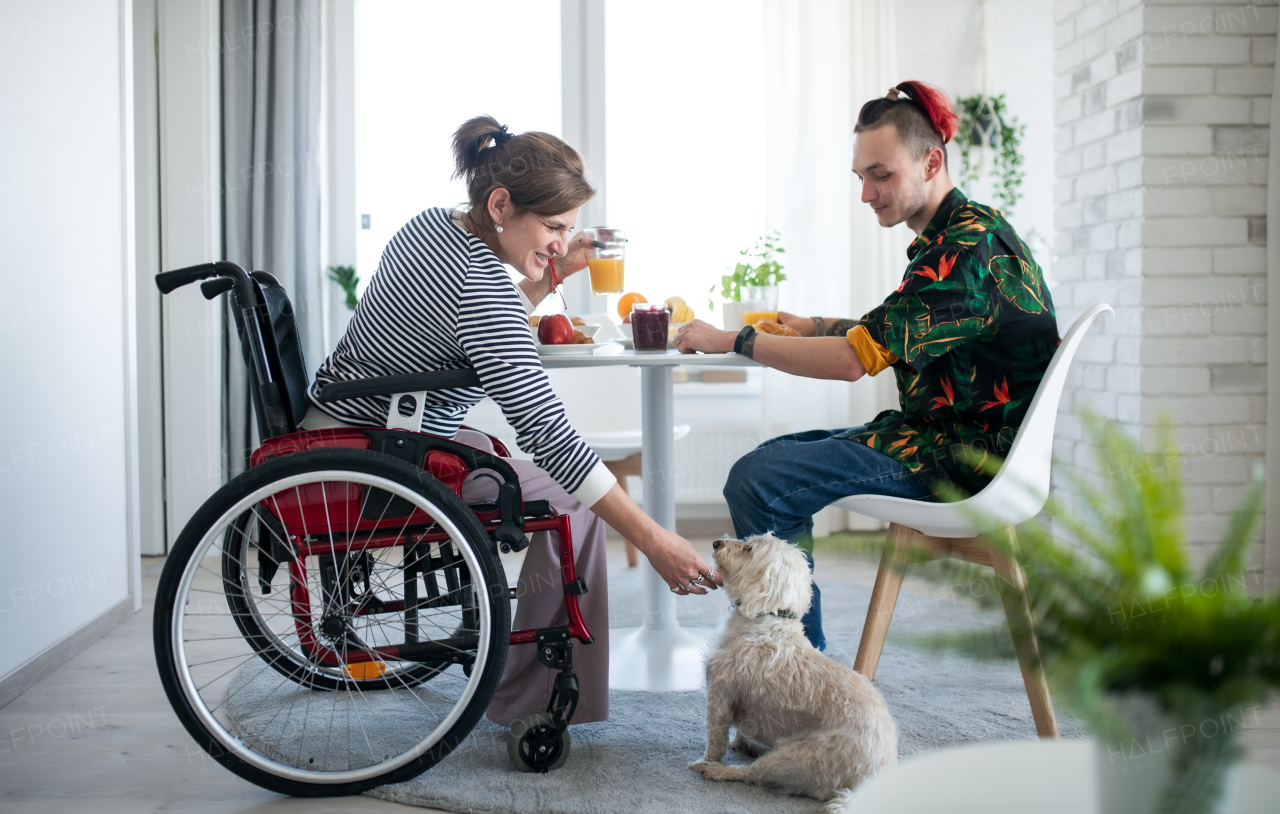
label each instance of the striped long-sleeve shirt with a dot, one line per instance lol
(441, 300)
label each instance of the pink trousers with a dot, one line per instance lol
(526, 685)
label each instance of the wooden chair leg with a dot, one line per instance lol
(1017, 609)
(630, 465)
(893, 564)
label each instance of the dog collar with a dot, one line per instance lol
(781, 614)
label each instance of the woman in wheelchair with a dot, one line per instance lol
(441, 299)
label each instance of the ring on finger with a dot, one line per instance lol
(698, 579)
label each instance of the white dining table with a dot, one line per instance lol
(660, 655)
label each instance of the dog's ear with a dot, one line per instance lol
(778, 579)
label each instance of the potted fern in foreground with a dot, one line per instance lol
(1164, 659)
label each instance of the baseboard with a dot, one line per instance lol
(62, 651)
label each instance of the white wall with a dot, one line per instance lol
(65, 226)
(937, 42)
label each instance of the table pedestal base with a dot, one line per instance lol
(658, 659)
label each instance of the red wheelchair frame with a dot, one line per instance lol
(312, 509)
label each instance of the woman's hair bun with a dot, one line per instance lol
(471, 139)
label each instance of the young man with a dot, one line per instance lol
(968, 333)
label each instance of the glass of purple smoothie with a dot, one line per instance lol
(649, 324)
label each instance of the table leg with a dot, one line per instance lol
(659, 655)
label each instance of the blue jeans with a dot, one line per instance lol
(779, 485)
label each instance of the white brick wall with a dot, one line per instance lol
(1163, 109)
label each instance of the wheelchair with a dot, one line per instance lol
(337, 617)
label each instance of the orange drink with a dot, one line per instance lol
(606, 274)
(752, 317)
(608, 251)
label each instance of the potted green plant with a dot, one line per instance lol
(1162, 658)
(347, 280)
(754, 281)
(987, 125)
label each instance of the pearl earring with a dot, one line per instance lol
(499, 228)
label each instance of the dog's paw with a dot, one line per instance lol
(711, 771)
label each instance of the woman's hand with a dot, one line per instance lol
(575, 259)
(682, 568)
(684, 571)
(699, 336)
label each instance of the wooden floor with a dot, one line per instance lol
(99, 732)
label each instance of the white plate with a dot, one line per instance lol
(566, 350)
(626, 343)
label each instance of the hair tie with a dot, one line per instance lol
(894, 94)
(501, 136)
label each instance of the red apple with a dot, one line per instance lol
(555, 329)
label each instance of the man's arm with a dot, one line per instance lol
(830, 357)
(808, 326)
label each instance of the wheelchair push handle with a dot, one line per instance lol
(168, 281)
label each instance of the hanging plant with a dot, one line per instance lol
(986, 124)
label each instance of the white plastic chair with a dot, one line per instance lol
(620, 451)
(1015, 495)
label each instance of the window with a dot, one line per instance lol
(425, 68)
(685, 142)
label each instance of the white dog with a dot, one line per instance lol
(816, 727)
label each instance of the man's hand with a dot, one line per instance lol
(801, 325)
(699, 336)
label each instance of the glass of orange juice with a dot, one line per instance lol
(609, 250)
(759, 302)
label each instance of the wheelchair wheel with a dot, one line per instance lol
(256, 574)
(304, 608)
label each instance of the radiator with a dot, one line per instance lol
(702, 462)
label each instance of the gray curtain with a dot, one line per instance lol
(271, 179)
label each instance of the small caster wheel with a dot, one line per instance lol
(534, 746)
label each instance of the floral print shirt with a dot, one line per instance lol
(969, 334)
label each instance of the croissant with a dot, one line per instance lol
(768, 326)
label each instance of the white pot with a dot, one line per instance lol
(733, 316)
(1132, 776)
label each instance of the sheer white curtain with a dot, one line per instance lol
(823, 59)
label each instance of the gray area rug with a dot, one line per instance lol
(637, 761)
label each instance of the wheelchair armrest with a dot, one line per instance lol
(403, 383)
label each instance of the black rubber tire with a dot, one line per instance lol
(523, 737)
(369, 463)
